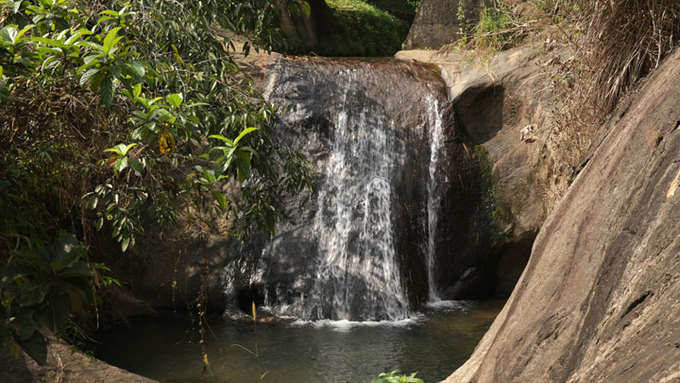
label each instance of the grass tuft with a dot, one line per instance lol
(629, 39)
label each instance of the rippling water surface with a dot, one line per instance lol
(434, 344)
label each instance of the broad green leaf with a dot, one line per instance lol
(121, 149)
(76, 35)
(24, 324)
(8, 34)
(244, 132)
(127, 148)
(14, 5)
(116, 149)
(111, 40)
(46, 41)
(121, 164)
(90, 60)
(104, 18)
(124, 245)
(138, 69)
(136, 165)
(175, 99)
(305, 8)
(61, 305)
(91, 45)
(243, 169)
(31, 294)
(87, 76)
(109, 12)
(222, 138)
(137, 90)
(22, 32)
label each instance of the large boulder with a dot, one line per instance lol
(437, 22)
(64, 364)
(503, 106)
(600, 300)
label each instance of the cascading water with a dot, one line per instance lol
(433, 195)
(360, 244)
(354, 225)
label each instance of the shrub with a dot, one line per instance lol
(499, 27)
(397, 377)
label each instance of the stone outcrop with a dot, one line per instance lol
(394, 100)
(599, 300)
(504, 106)
(64, 365)
(437, 22)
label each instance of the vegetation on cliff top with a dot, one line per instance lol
(350, 28)
(614, 43)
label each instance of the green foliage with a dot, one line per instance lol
(499, 27)
(463, 24)
(396, 377)
(112, 116)
(493, 29)
(403, 9)
(356, 28)
(165, 76)
(40, 288)
(361, 29)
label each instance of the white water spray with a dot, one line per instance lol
(433, 193)
(358, 274)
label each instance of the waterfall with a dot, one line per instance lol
(361, 244)
(358, 274)
(433, 195)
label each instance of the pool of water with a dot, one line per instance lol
(167, 349)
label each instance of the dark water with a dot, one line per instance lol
(434, 344)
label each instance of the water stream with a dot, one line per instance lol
(167, 349)
(434, 196)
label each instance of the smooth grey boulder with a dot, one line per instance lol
(599, 300)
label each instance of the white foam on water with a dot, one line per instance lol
(448, 305)
(345, 325)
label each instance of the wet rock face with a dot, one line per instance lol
(599, 300)
(437, 22)
(356, 246)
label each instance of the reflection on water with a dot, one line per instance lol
(434, 344)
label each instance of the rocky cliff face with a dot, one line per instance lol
(437, 22)
(599, 300)
(504, 106)
(387, 183)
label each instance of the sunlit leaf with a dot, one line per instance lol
(244, 133)
(111, 40)
(175, 99)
